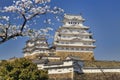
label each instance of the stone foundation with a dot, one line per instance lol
(36, 56)
(64, 76)
(97, 76)
(86, 76)
(82, 55)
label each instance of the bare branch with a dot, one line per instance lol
(34, 15)
(10, 37)
(24, 23)
(6, 34)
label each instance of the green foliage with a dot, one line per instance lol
(21, 69)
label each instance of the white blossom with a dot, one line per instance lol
(55, 7)
(10, 8)
(24, 0)
(49, 28)
(5, 18)
(42, 1)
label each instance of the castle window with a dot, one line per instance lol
(90, 49)
(64, 36)
(67, 48)
(59, 71)
(82, 49)
(77, 48)
(72, 48)
(63, 48)
(85, 43)
(31, 42)
(90, 43)
(86, 37)
(78, 30)
(82, 31)
(87, 49)
(70, 70)
(62, 42)
(75, 22)
(66, 42)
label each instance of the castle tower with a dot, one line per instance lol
(73, 39)
(36, 46)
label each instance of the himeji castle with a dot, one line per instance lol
(73, 38)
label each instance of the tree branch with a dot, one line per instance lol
(24, 23)
(10, 37)
(6, 34)
(35, 15)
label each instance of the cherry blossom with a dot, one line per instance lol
(26, 12)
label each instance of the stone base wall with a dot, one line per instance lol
(97, 76)
(36, 56)
(64, 76)
(86, 76)
(82, 55)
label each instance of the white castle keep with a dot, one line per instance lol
(72, 38)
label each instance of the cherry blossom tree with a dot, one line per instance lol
(24, 13)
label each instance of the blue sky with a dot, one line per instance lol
(102, 16)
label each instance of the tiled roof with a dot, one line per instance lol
(54, 63)
(58, 67)
(43, 61)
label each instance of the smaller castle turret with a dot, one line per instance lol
(36, 46)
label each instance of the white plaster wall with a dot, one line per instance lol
(30, 44)
(60, 50)
(27, 54)
(51, 58)
(40, 66)
(38, 52)
(99, 70)
(52, 66)
(68, 63)
(60, 71)
(78, 44)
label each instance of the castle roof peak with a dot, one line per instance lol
(72, 17)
